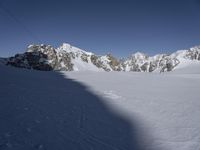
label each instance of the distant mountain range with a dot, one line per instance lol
(70, 58)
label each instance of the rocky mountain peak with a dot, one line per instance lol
(72, 49)
(70, 58)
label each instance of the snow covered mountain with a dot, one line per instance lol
(162, 62)
(70, 58)
(65, 57)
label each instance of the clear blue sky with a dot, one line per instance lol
(117, 26)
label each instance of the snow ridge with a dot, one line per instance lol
(70, 58)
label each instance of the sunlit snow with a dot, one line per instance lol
(100, 110)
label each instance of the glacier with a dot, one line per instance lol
(81, 110)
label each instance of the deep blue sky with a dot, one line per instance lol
(117, 26)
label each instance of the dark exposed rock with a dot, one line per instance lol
(30, 60)
(41, 57)
(67, 57)
(193, 53)
(144, 67)
(114, 63)
(84, 57)
(95, 60)
(168, 64)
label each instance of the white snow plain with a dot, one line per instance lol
(99, 110)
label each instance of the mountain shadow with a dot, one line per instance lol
(45, 111)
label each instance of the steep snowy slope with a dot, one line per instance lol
(188, 67)
(79, 58)
(66, 57)
(70, 58)
(140, 62)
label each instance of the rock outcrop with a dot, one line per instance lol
(69, 58)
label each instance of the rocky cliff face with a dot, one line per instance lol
(42, 57)
(142, 63)
(69, 58)
(65, 58)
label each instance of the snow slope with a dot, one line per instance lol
(188, 67)
(78, 63)
(70, 58)
(98, 110)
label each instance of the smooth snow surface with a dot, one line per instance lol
(98, 110)
(164, 106)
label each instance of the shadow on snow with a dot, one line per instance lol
(44, 110)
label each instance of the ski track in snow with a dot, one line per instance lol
(98, 110)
